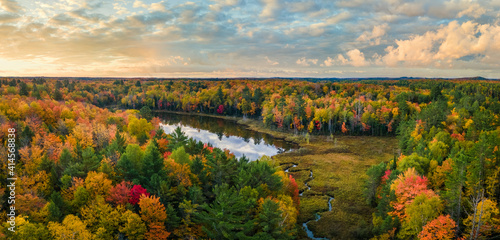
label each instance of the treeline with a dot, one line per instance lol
(445, 183)
(353, 108)
(85, 172)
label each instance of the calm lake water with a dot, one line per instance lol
(226, 134)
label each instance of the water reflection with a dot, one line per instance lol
(226, 134)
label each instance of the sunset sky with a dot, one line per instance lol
(242, 38)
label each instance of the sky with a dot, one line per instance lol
(243, 38)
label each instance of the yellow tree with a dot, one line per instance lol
(98, 184)
(484, 221)
(133, 227)
(71, 228)
(154, 214)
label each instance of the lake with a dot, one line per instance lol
(226, 134)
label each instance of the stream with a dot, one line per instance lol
(317, 217)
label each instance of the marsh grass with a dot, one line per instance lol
(338, 171)
(339, 166)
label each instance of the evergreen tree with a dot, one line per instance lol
(152, 163)
(226, 217)
(145, 112)
(23, 89)
(269, 222)
(57, 95)
(177, 139)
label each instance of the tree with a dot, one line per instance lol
(177, 139)
(188, 229)
(28, 230)
(137, 127)
(98, 184)
(425, 207)
(58, 95)
(120, 193)
(269, 221)
(145, 112)
(36, 93)
(90, 161)
(441, 228)
(375, 174)
(407, 186)
(154, 215)
(80, 198)
(152, 164)
(130, 163)
(72, 227)
(234, 223)
(420, 164)
(101, 218)
(484, 220)
(23, 89)
(180, 156)
(133, 227)
(135, 194)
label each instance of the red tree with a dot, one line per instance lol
(220, 110)
(294, 190)
(442, 227)
(120, 194)
(135, 194)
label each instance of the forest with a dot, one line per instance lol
(92, 162)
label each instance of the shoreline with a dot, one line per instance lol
(251, 124)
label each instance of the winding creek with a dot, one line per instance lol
(317, 217)
(238, 139)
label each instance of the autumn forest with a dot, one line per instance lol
(91, 159)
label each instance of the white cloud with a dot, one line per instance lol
(10, 6)
(474, 10)
(354, 58)
(357, 58)
(271, 62)
(139, 4)
(328, 62)
(338, 18)
(447, 45)
(159, 7)
(306, 62)
(269, 9)
(375, 36)
(219, 4)
(120, 9)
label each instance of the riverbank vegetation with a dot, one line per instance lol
(89, 173)
(440, 179)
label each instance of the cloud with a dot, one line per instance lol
(301, 6)
(338, 18)
(9, 17)
(375, 36)
(219, 4)
(120, 9)
(328, 62)
(271, 62)
(10, 6)
(357, 58)
(157, 7)
(448, 44)
(219, 37)
(306, 62)
(269, 9)
(474, 10)
(354, 58)
(139, 4)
